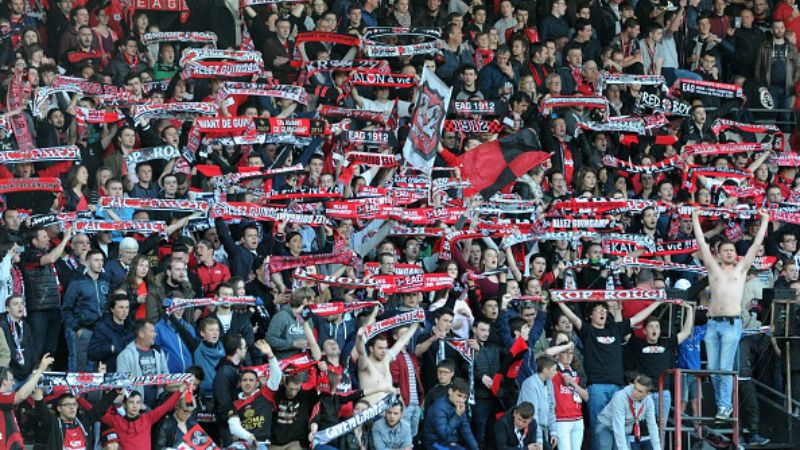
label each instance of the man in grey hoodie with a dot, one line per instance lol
(287, 332)
(140, 357)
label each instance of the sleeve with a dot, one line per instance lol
(652, 424)
(274, 380)
(538, 329)
(618, 415)
(551, 409)
(501, 437)
(162, 440)
(466, 434)
(161, 410)
(235, 425)
(99, 347)
(5, 352)
(377, 437)
(68, 307)
(222, 393)
(5, 268)
(406, 433)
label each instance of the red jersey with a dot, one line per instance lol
(568, 402)
(10, 436)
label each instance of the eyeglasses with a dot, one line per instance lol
(70, 404)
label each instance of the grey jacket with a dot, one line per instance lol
(283, 330)
(128, 361)
(541, 395)
(618, 418)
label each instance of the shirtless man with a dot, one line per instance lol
(373, 369)
(726, 278)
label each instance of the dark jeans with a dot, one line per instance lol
(483, 419)
(46, 327)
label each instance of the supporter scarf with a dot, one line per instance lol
(158, 5)
(741, 212)
(300, 127)
(357, 209)
(666, 165)
(785, 159)
(324, 37)
(153, 204)
(281, 263)
(376, 49)
(124, 226)
(638, 125)
(304, 193)
(117, 100)
(256, 212)
(345, 282)
(585, 295)
(665, 105)
(607, 78)
(10, 185)
(362, 65)
(44, 92)
(642, 240)
(400, 320)
(445, 184)
(629, 261)
(87, 87)
(724, 149)
(478, 108)
(203, 37)
(569, 101)
(220, 181)
(757, 330)
(473, 126)
(367, 416)
(179, 111)
(708, 88)
(402, 230)
(80, 383)
(692, 172)
(468, 353)
(395, 80)
(568, 223)
(141, 155)
(604, 206)
(191, 55)
(285, 91)
(268, 2)
(334, 309)
(372, 159)
(426, 282)
(421, 216)
(44, 220)
(367, 137)
(219, 69)
(18, 95)
(225, 125)
(355, 114)
(150, 86)
(372, 269)
(65, 153)
(289, 365)
(663, 248)
(96, 116)
(174, 304)
(721, 125)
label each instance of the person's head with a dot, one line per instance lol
(235, 347)
(119, 305)
(652, 329)
(778, 29)
(546, 367)
(294, 242)
(726, 252)
(145, 333)
(631, 28)
(458, 392)
(523, 415)
(250, 236)
(67, 407)
(248, 381)
(583, 30)
(599, 314)
(490, 309)
(788, 242)
(133, 404)
(209, 330)
(520, 327)
(443, 319)
(94, 261)
(445, 371)
(655, 33)
(11, 219)
(38, 238)
(301, 297)
(481, 329)
(708, 61)
(642, 386)
(15, 304)
(558, 8)
(393, 414)
(378, 346)
(176, 269)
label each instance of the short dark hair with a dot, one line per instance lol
(645, 381)
(447, 363)
(460, 385)
(139, 325)
(544, 362)
(443, 311)
(516, 324)
(231, 343)
(525, 410)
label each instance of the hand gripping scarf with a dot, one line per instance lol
(400, 320)
(174, 304)
(368, 415)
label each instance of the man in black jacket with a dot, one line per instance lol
(517, 429)
(66, 426)
(226, 382)
(241, 256)
(236, 323)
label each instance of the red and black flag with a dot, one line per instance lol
(494, 165)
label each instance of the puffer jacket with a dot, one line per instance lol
(175, 349)
(84, 302)
(41, 283)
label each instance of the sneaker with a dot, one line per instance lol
(723, 413)
(757, 439)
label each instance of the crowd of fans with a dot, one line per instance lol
(495, 361)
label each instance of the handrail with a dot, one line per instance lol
(678, 395)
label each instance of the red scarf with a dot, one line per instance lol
(132, 61)
(637, 431)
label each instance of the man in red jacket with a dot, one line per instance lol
(134, 428)
(406, 376)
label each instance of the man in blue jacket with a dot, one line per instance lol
(83, 307)
(447, 424)
(179, 357)
(113, 333)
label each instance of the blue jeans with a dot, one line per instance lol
(722, 343)
(605, 437)
(665, 407)
(412, 414)
(671, 74)
(599, 396)
(78, 347)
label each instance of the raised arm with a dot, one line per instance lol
(705, 251)
(643, 314)
(750, 256)
(576, 321)
(688, 323)
(404, 338)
